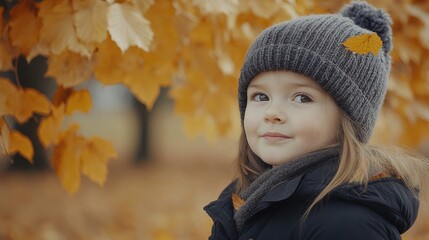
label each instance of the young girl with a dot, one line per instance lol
(308, 106)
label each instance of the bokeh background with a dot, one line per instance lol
(162, 92)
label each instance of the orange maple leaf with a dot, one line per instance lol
(21, 144)
(364, 43)
(237, 201)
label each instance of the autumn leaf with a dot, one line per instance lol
(128, 27)
(58, 30)
(61, 95)
(364, 43)
(237, 202)
(78, 101)
(66, 159)
(21, 144)
(74, 155)
(110, 63)
(50, 127)
(69, 68)
(145, 91)
(6, 54)
(24, 26)
(22, 103)
(129, 68)
(6, 88)
(205, 105)
(39, 49)
(94, 159)
(90, 20)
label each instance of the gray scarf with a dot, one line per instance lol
(266, 181)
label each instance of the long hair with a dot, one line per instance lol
(358, 162)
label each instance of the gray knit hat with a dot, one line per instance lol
(312, 46)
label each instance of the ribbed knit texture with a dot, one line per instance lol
(312, 46)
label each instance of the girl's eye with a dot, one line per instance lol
(301, 98)
(259, 97)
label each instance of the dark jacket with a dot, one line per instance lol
(384, 210)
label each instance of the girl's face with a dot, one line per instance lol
(288, 115)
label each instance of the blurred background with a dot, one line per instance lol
(151, 87)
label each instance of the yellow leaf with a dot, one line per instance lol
(49, 128)
(237, 202)
(69, 69)
(130, 68)
(39, 48)
(128, 27)
(61, 95)
(21, 144)
(58, 29)
(6, 89)
(66, 160)
(364, 43)
(6, 57)
(111, 66)
(94, 159)
(24, 26)
(22, 103)
(90, 20)
(146, 90)
(78, 100)
(6, 54)
(206, 105)
(36, 101)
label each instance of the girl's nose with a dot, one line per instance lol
(274, 115)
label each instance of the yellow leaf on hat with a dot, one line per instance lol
(364, 43)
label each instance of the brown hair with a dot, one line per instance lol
(357, 162)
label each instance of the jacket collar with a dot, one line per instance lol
(221, 211)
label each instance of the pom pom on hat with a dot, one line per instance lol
(368, 17)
